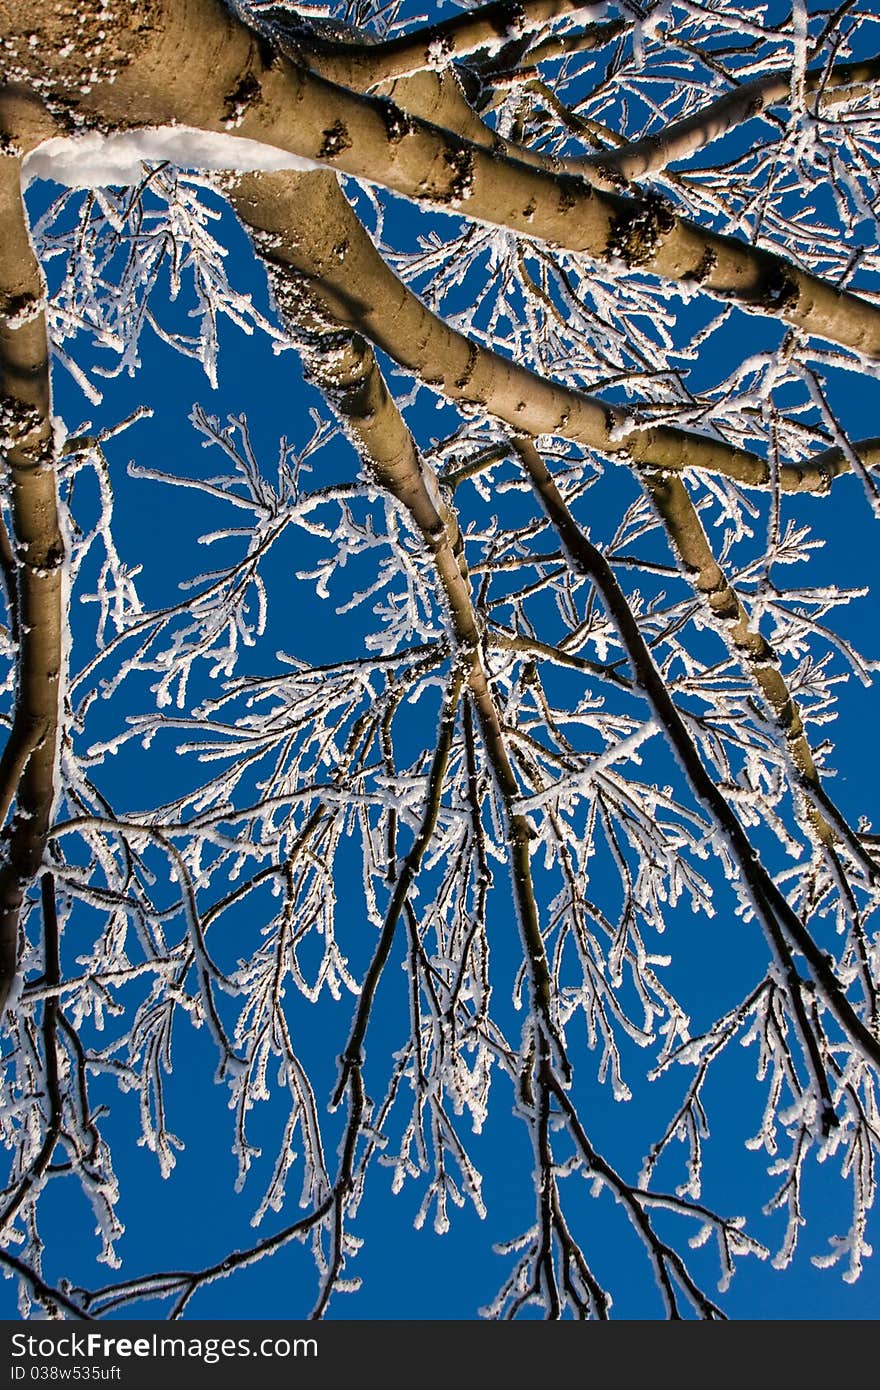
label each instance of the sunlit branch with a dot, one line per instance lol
(511, 66)
(306, 220)
(752, 650)
(28, 764)
(438, 99)
(234, 81)
(483, 30)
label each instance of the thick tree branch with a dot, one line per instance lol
(285, 226)
(321, 236)
(826, 823)
(256, 202)
(230, 80)
(439, 99)
(28, 764)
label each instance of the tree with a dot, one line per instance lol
(630, 253)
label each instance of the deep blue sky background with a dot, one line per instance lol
(193, 1217)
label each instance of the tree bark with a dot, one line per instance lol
(193, 62)
(28, 763)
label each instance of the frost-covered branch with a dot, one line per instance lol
(782, 926)
(691, 544)
(498, 847)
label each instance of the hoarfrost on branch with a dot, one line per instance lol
(571, 300)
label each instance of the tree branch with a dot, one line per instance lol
(28, 764)
(480, 32)
(232, 81)
(352, 1057)
(782, 927)
(308, 215)
(688, 537)
(635, 159)
(354, 385)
